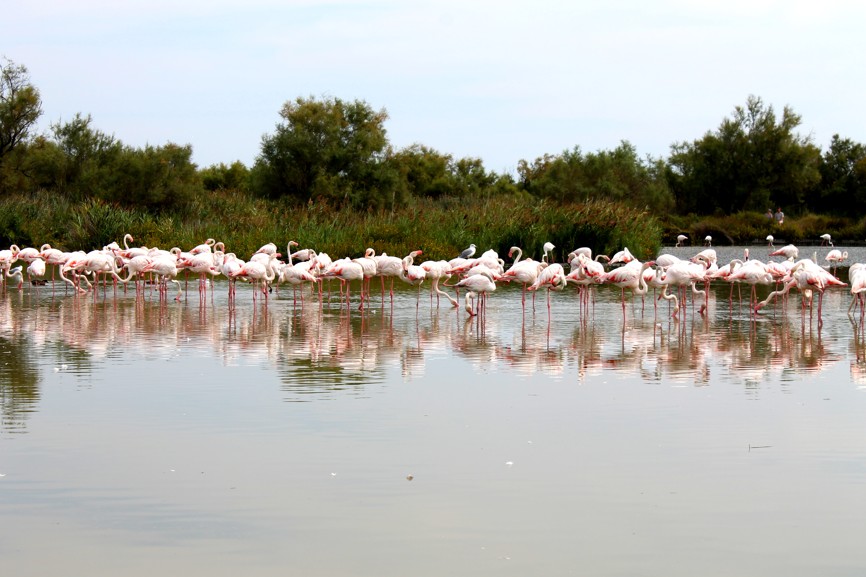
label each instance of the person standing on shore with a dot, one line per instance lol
(779, 216)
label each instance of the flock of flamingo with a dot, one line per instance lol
(676, 278)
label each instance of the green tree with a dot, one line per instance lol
(158, 178)
(87, 160)
(618, 175)
(20, 108)
(752, 161)
(223, 177)
(327, 149)
(427, 173)
(843, 179)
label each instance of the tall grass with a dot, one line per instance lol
(441, 228)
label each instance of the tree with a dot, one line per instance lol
(20, 108)
(752, 161)
(843, 179)
(223, 177)
(323, 148)
(617, 174)
(88, 157)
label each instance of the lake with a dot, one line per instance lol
(142, 437)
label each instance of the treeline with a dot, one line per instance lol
(327, 152)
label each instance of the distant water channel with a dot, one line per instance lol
(143, 438)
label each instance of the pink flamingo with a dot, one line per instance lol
(629, 277)
(413, 274)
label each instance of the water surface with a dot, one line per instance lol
(141, 437)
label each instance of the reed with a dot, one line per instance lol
(441, 228)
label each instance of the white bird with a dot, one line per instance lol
(770, 240)
(681, 238)
(826, 239)
(548, 248)
(469, 252)
(708, 240)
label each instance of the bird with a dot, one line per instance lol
(630, 277)
(469, 252)
(523, 271)
(708, 240)
(435, 270)
(36, 269)
(478, 284)
(623, 256)
(548, 248)
(391, 267)
(857, 279)
(770, 240)
(414, 274)
(681, 238)
(835, 256)
(788, 251)
(553, 277)
(826, 239)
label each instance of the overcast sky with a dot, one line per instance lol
(497, 80)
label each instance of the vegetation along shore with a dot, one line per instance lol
(328, 178)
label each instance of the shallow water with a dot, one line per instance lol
(141, 437)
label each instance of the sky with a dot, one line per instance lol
(501, 81)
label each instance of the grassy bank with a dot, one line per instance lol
(440, 228)
(752, 228)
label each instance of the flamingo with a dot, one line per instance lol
(346, 270)
(368, 264)
(708, 240)
(681, 238)
(8, 256)
(806, 276)
(391, 267)
(36, 269)
(826, 239)
(202, 264)
(788, 251)
(553, 277)
(15, 273)
(258, 273)
(835, 256)
(28, 254)
(414, 274)
(623, 256)
(630, 277)
(525, 272)
(770, 240)
(857, 278)
(164, 266)
(683, 274)
(436, 270)
(753, 273)
(478, 284)
(207, 246)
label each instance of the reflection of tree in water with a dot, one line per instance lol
(19, 382)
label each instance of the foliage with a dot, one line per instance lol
(617, 175)
(441, 228)
(843, 179)
(20, 108)
(752, 162)
(223, 177)
(322, 148)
